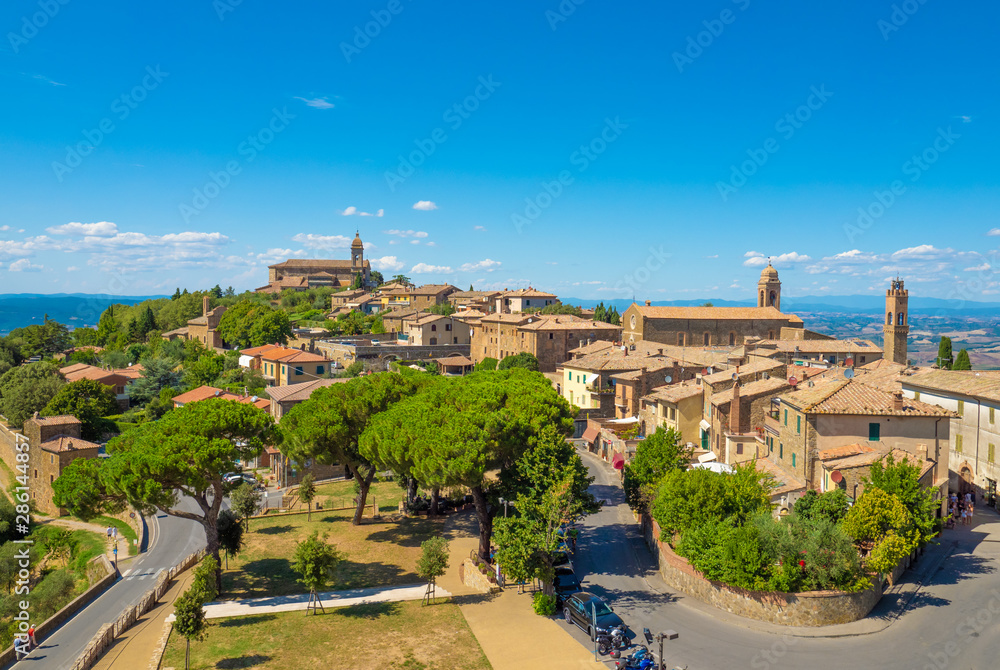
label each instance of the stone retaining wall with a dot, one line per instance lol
(474, 579)
(812, 608)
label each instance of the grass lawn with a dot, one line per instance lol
(376, 636)
(341, 494)
(378, 553)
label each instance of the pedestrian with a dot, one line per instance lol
(108, 531)
(964, 517)
(114, 532)
(20, 647)
(32, 642)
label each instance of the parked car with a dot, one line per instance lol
(236, 478)
(565, 584)
(579, 608)
(561, 559)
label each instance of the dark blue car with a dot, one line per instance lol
(579, 609)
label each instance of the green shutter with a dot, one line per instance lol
(991, 453)
(961, 408)
(874, 432)
(958, 443)
(793, 460)
(786, 417)
(781, 450)
(991, 414)
(798, 423)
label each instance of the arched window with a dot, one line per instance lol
(774, 299)
(761, 299)
(732, 339)
(888, 318)
(707, 339)
(901, 318)
(680, 339)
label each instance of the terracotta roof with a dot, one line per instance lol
(566, 322)
(284, 355)
(822, 346)
(433, 289)
(613, 359)
(64, 443)
(206, 392)
(960, 382)
(592, 348)
(427, 318)
(655, 365)
(675, 392)
(80, 371)
(883, 374)
(752, 390)
(63, 420)
(455, 360)
(132, 371)
(712, 313)
(849, 396)
(874, 454)
(318, 264)
(844, 451)
(176, 331)
(528, 293)
(302, 391)
(254, 351)
(785, 482)
(473, 295)
(755, 366)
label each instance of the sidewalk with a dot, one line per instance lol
(512, 636)
(298, 602)
(135, 647)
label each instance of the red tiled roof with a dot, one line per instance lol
(64, 443)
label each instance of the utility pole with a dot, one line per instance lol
(665, 635)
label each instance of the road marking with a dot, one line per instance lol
(125, 574)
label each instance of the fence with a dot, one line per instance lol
(108, 633)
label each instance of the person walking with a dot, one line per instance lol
(20, 647)
(32, 642)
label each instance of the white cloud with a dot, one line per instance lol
(485, 265)
(414, 241)
(757, 259)
(322, 242)
(72, 268)
(24, 265)
(481, 229)
(406, 233)
(923, 252)
(424, 205)
(587, 283)
(354, 211)
(317, 103)
(712, 256)
(979, 268)
(390, 263)
(276, 255)
(432, 244)
(4, 229)
(994, 232)
(12, 249)
(424, 268)
(100, 229)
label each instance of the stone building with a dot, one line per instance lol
(897, 321)
(53, 443)
(302, 274)
(430, 329)
(973, 398)
(829, 352)
(416, 297)
(483, 301)
(736, 418)
(715, 326)
(515, 302)
(842, 412)
(548, 337)
(676, 406)
(112, 379)
(203, 328)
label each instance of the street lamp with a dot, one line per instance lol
(660, 637)
(504, 502)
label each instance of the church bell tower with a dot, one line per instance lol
(897, 325)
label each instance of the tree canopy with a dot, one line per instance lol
(27, 389)
(250, 323)
(655, 456)
(89, 401)
(944, 357)
(522, 360)
(962, 361)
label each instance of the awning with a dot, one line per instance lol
(618, 461)
(705, 425)
(591, 434)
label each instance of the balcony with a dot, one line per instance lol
(599, 390)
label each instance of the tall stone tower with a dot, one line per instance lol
(357, 253)
(769, 288)
(897, 325)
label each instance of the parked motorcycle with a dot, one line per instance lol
(640, 659)
(616, 638)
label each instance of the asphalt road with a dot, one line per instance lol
(171, 539)
(954, 622)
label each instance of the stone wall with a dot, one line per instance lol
(812, 608)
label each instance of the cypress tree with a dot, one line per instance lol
(962, 361)
(944, 358)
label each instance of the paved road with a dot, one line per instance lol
(171, 539)
(954, 622)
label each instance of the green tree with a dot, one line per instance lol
(433, 562)
(157, 374)
(230, 534)
(487, 364)
(185, 453)
(832, 505)
(203, 584)
(659, 453)
(600, 311)
(107, 326)
(245, 501)
(27, 389)
(522, 360)
(327, 427)
(444, 309)
(114, 359)
(873, 515)
(377, 325)
(87, 400)
(176, 295)
(204, 372)
(42, 339)
(962, 361)
(376, 278)
(307, 493)
(901, 480)
(147, 323)
(250, 323)
(315, 561)
(944, 357)
(402, 279)
(358, 281)
(216, 292)
(189, 621)
(468, 431)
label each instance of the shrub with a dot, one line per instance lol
(543, 605)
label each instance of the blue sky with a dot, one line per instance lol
(661, 150)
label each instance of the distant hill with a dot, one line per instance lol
(74, 309)
(860, 304)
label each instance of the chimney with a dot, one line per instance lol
(897, 401)
(660, 351)
(204, 306)
(734, 411)
(648, 303)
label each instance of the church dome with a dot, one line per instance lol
(769, 273)
(356, 244)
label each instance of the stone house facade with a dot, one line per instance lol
(431, 329)
(548, 337)
(676, 406)
(53, 443)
